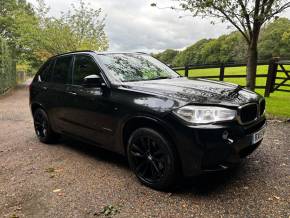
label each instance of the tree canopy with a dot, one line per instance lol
(274, 42)
(35, 36)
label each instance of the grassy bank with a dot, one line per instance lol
(278, 104)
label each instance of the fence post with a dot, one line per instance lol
(274, 75)
(222, 72)
(186, 71)
(271, 77)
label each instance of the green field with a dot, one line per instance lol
(278, 104)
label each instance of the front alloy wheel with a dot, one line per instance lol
(152, 158)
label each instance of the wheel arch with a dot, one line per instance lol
(146, 121)
(35, 106)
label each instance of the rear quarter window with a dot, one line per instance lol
(45, 71)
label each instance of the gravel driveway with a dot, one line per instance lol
(72, 179)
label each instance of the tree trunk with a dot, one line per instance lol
(252, 67)
(253, 58)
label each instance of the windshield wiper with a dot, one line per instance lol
(161, 77)
(156, 78)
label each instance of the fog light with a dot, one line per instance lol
(225, 135)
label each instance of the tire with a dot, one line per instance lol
(43, 128)
(152, 158)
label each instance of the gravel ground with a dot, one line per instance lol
(72, 179)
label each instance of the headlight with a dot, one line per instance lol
(205, 114)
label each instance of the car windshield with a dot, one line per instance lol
(136, 67)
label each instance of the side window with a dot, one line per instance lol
(84, 66)
(62, 69)
(45, 71)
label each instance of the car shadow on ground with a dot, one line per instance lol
(95, 152)
(203, 185)
(209, 183)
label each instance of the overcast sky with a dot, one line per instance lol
(133, 25)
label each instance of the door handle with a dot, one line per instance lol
(72, 93)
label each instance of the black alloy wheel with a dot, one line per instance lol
(42, 127)
(152, 158)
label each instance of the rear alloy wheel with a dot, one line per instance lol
(42, 127)
(152, 159)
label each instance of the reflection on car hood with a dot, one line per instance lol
(197, 91)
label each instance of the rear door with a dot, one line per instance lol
(40, 83)
(61, 78)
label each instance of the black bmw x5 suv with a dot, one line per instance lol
(168, 126)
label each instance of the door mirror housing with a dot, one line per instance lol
(93, 81)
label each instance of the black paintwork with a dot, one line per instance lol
(102, 115)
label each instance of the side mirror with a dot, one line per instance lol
(93, 81)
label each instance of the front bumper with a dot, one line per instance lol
(203, 148)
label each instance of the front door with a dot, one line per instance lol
(90, 108)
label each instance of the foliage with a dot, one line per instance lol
(190, 55)
(109, 210)
(274, 42)
(247, 17)
(81, 28)
(18, 26)
(35, 36)
(167, 56)
(87, 25)
(31, 36)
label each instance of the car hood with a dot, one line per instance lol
(195, 91)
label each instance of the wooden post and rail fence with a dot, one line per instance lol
(274, 67)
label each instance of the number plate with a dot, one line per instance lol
(258, 136)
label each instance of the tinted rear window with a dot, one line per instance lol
(62, 69)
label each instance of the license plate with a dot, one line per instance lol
(258, 136)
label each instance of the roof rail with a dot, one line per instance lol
(142, 52)
(72, 52)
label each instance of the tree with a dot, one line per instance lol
(167, 56)
(191, 55)
(247, 16)
(80, 28)
(10, 12)
(17, 18)
(34, 36)
(18, 26)
(87, 25)
(274, 40)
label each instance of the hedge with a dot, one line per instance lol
(7, 67)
